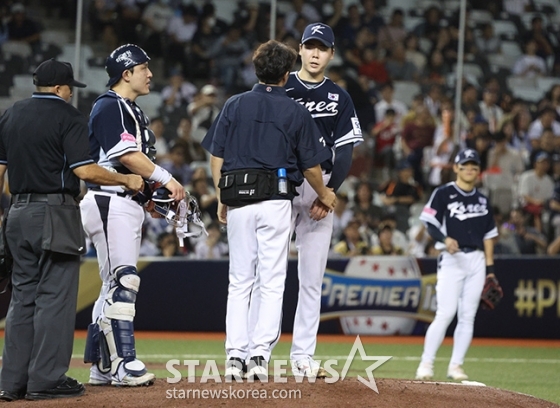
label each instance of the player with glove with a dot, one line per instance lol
(458, 217)
(492, 292)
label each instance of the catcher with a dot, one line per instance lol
(458, 217)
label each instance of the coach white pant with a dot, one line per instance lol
(460, 279)
(258, 236)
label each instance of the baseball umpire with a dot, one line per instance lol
(285, 143)
(459, 218)
(44, 145)
(121, 141)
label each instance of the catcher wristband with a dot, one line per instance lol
(489, 269)
(161, 175)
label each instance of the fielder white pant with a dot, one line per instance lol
(460, 280)
(258, 236)
(114, 225)
(313, 240)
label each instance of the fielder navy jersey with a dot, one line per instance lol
(332, 109)
(118, 126)
(464, 216)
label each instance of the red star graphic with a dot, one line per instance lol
(391, 271)
(405, 271)
(369, 321)
(356, 321)
(362, 262)
(384, 326)
(375, 267)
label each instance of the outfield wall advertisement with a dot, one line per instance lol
(361, 295)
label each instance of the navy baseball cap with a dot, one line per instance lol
(318, 31)
(466, 156)
(52, 72)
(542, 156)
(123, 58)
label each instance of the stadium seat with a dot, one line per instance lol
(545, 83)
(150, 104)
(404, 5)
(511, 48)
(528, 94)
(23, 86)
(505, 28)
(473, 70)
(18, 48)
(451, 5)
(56, 37)
(95, 79)
(521, 82)
(480, 16)
(405, 91)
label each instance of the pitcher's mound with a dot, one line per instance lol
(348, 393)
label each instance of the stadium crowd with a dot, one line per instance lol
(397, 59)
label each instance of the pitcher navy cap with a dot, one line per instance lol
(466, 156)
(123, 58)
(52, 72)
(318, 31)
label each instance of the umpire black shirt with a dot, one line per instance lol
(42, 139)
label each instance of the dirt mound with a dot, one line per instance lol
(351, 393)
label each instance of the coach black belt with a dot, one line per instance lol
(55, 198)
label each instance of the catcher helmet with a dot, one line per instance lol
(123, 58)
(176, 213)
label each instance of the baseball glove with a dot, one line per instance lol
(491, 293)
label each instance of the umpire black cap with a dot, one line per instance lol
(123, 58)
(53, 72)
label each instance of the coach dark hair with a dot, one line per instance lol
(272, 60)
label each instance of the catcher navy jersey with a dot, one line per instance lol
(332, 110)
(463, 216)
(118, 126)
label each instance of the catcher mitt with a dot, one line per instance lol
(491, 293)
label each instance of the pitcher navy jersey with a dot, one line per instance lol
(332, 110)
(463, 216)
(118, 126)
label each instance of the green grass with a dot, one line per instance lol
(527, 370)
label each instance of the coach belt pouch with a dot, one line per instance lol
(243, 187)
(63, 231)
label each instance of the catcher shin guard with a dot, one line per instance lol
(117, 326)
(92, 353)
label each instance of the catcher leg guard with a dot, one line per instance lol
(118, 330)
(97, 353)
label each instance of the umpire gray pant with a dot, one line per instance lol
(40, 323)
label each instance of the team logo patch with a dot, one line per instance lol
(482, 200)
(357, 129)
(268, 89)
(127, 137)
(429, 211)
(333, 97)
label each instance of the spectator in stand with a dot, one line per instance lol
(418, 240)
(417, 102)
(530, 65)
(178, 93)
(301, 8)
(444, 149)
(353, 53)
(203, 110)
(23, 29)
(385, 134)
(168, 245)
(204, 39)
(520, 139)
(434, 99)
(213, 247)
(553, 98)
(546, 145)
(489, 110)
(158, 129)
(415, 137)
(227, 53)
(372, 66)
(398, 195)
(370, 19)
(193, 150)
(469, 99)
(529, 241)
(336, 18)
(156, 18)
(505, 158)
(488, 42)
(363, 206)
(181, 31)
(341, 216)
(393, 33)
(398, 67)
(176, 165)
(546, 119)
(206, 197)
(413, 53)
(482, 145)
(387, 101)
(352, 243)
(539, 35)
(436, 70)
(385, 245)
(349, 27)
(430, 27)
(535, 189)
